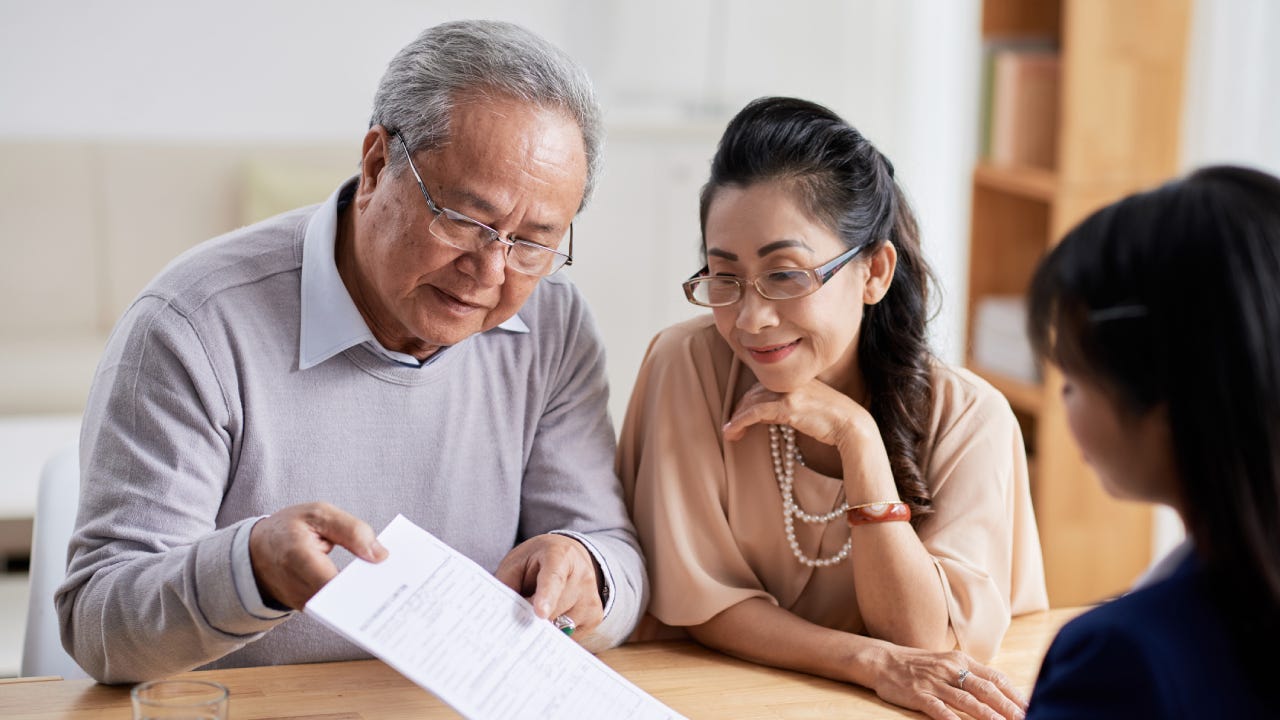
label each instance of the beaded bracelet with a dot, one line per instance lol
(878, 512)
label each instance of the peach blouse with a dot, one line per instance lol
(709, 513)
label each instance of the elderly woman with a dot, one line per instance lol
(1163, 312)
(813, 490)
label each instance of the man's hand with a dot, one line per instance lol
(290, 550)
(558, 576)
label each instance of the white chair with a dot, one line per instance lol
(56, 503)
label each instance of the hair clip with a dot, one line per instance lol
(1119, 312)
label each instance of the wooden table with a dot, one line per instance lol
(694, 681)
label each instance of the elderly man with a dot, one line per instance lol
(404, 347)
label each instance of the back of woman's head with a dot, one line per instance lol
(842, 181)
(1171, 299)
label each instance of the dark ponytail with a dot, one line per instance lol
(896, 363)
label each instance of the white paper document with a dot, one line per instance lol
(448, 625)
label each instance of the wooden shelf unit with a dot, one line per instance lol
(1119, 109)
(1025, 182)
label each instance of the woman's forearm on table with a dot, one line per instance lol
(899, 595)
(761, 632)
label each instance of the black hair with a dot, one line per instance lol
(1171, 298)
(843, 182)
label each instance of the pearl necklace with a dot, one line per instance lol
(784, 460)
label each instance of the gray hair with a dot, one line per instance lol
(424, 81)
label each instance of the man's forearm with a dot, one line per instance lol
(136, 616)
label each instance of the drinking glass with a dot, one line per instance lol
(179, 700)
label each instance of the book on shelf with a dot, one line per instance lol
(1019, 110)
(1000, 342)
(1024, 108)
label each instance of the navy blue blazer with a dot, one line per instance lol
(1158, 652)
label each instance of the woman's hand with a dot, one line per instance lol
(832, 418)
(931, 683)
(759, 631)
(815, 409)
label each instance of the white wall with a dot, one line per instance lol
(234, 69)
(670, 73)
(1232, 104)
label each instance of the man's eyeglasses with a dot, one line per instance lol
(781, 284)
(459, 231)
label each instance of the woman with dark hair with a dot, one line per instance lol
(814, 490)
(1163, 312)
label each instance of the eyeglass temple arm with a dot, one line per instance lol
(701, 273)
(827, 270)
(421, 185)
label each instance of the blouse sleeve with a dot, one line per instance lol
(672, 470)
(982, 535)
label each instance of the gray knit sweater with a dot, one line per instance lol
(199, 420)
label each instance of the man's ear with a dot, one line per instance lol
(374, 153)
(880, 273)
